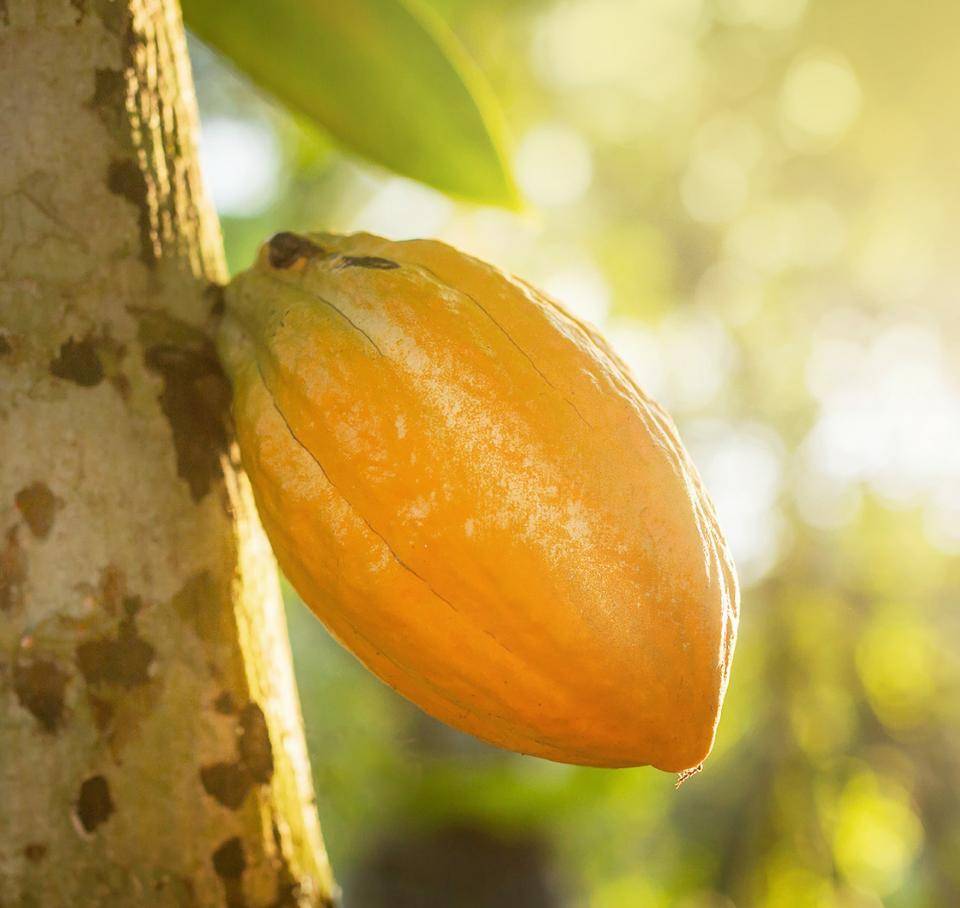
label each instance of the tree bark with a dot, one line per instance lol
(151, 749)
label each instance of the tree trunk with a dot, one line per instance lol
(151, 749)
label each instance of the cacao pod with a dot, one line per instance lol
(471, 491)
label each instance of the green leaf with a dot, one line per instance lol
(384, 77)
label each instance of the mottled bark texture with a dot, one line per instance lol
(151, 751)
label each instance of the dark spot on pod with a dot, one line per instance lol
(367, 261)
(94, 805)
(229, 860)
(5, 347)
(39, 506)
(286, 249)
(40, 686)
(35, 852)
(78, 362)
(228, 783)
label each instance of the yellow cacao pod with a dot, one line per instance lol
(471, 491)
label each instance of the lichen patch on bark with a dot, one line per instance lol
(230, 863)
(110, 92)
(198, 604)
(125, 660)
(229, 860)
(94, 803)
(120, 668)
(225, 704)
(35, 852)
(228, 783)
(231, 782)
(39, 507)
(194, 399)
(253, 743)
(78, 362)
(40, 685)
(13, 572)
(125, 179)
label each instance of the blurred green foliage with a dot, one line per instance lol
(384, 77)
(756, 200)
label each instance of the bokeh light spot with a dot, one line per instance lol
(241, 164)
(742, 466)
(819, 101)
(583, 291)
(877, 833)
(403, 210)
(554, 165)
(771, 14)
(895, 659)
